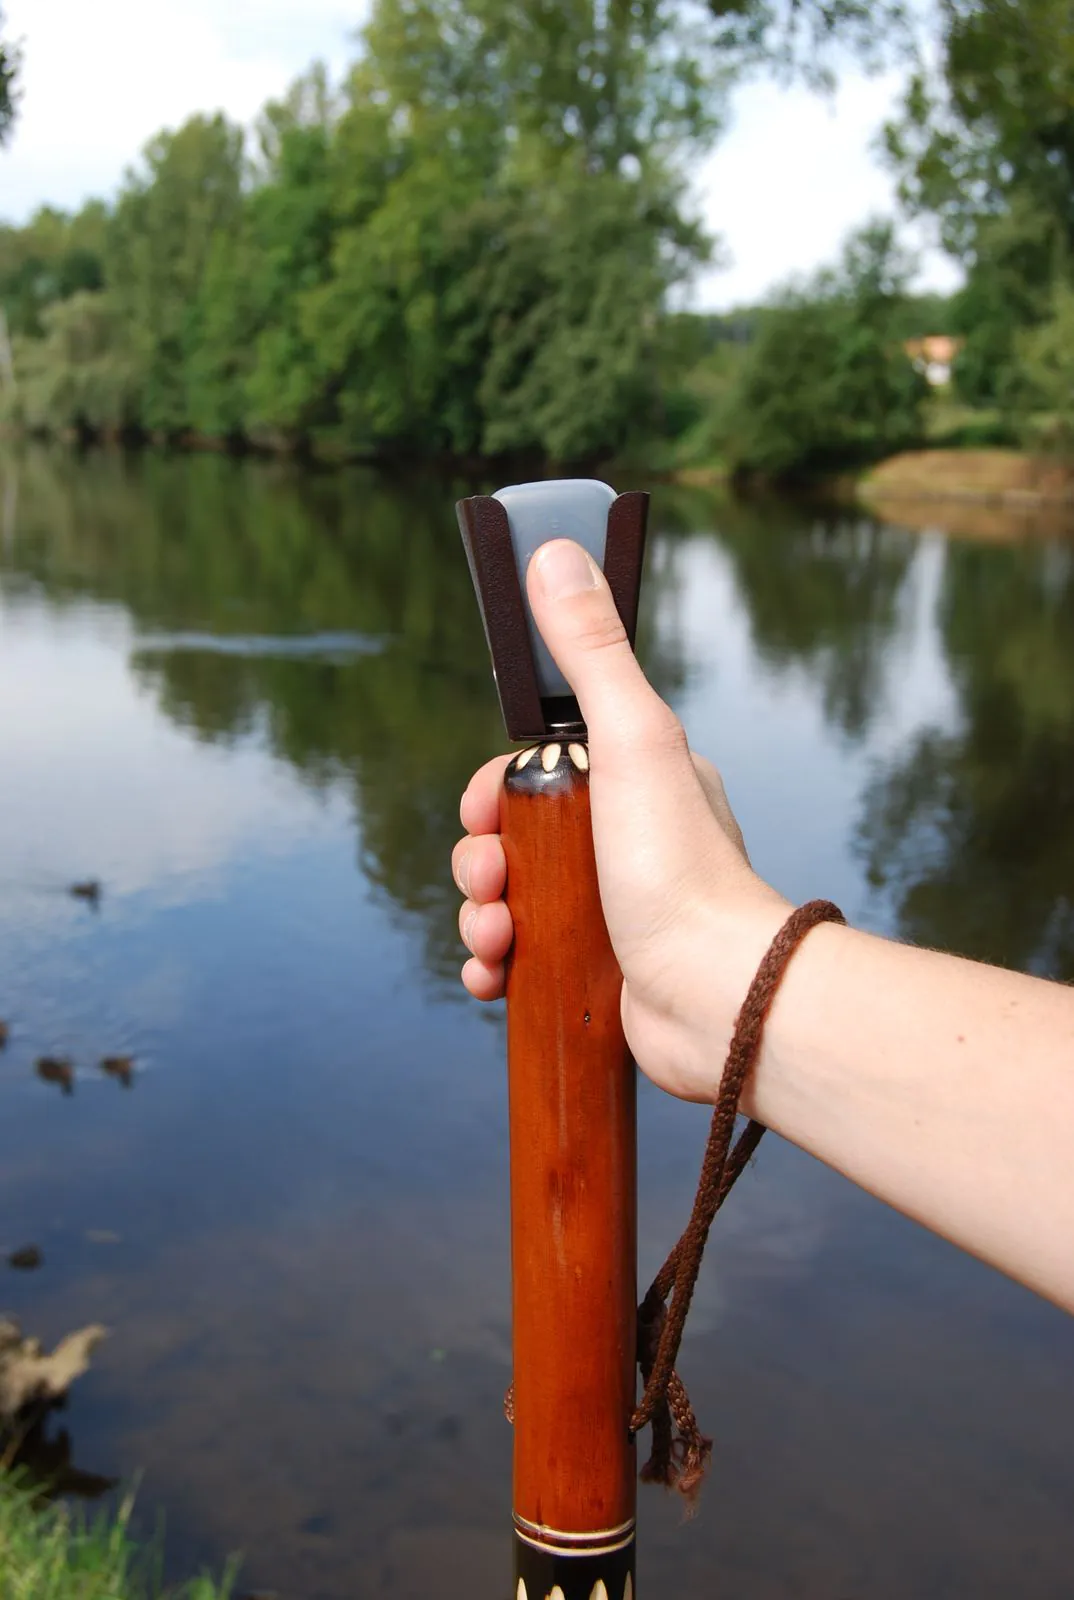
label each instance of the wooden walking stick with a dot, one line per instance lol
(570, 1077)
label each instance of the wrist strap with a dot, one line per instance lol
(680, 1453)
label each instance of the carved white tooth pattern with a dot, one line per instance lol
(557, 1593)
(520, 1592)
(599, 1591)
(628, 1588)
(550, 756)
(524, 758)
(579, 755)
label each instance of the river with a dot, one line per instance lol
(246, 700)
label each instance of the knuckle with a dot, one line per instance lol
(461, 865)
(467, 918)
(660, 729)
(600, 630)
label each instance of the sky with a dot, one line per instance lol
(793, 173)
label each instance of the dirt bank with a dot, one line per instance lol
(1007, 478)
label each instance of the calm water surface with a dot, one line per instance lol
(247, 702)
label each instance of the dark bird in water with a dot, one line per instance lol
(119, 1067)
(89, 890)
(57, 1069)
(26, 1259)
(4, 1033)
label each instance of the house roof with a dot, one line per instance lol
(939, 347)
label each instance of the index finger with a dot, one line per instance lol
(480, 807)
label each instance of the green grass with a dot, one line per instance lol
(49, 1552)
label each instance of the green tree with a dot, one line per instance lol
(171, 216)
(809, 38)
(53, 256)
(251, 369)
(9, 78)
(80, 375)
(826, 382)
(985, 144)
(469, 251)
(1046, 360)
(992, 119)
(1008, 289)
(515, 223)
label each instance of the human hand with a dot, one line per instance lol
(688, 918)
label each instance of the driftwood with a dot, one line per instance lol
(29, 1378)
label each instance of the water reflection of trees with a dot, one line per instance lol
(822, 592)
(968, 834)
(44, 1462)
(971, 834)
(259, 551)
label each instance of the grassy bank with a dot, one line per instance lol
(49, 1552)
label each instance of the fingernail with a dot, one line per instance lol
(462, 874)
(467, 930)
(564, 569)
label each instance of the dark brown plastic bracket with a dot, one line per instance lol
(487, 538)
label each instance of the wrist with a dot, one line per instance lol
(735, 931)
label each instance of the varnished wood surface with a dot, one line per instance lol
(573, 1206)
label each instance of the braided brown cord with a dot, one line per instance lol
(679, 1456)
(679, 1452)
(679, 1461)
(664, 1282)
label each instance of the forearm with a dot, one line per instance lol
(944, 1087)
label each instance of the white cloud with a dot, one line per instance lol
(793, 175)
(102, 79)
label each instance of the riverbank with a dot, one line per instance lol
(988, 492)
(1010, 478)
(994, 493)
(49, 1552)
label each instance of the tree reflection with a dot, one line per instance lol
(971, 834)
(255, 552)
(968, 834)
(44, 1461)
(822, 593)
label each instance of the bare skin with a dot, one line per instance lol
(943, 1086)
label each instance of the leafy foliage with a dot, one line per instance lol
(9, 77)
(1046, 356)
(994, 120)
(1008, 289)
(53, 257)
(826, 379)
(80, 369)
(173, 217)
(801, 37)
(468, 250)
(985, 144)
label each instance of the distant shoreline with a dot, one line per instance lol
(912, 486)
(1011, 478)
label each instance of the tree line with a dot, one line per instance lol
(468, 249)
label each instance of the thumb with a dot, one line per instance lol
(651, 821)
(574, 610)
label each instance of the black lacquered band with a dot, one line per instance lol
(546, 1572)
